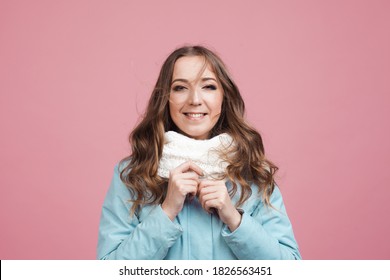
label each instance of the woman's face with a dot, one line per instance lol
(195, 97)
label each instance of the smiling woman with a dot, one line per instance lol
(197, 184)
(196, 97)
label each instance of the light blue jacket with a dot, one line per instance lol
(264, 232)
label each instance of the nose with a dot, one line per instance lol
(195, 98)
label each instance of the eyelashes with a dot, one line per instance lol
(211, 87)
(182, 88)
(178, 88)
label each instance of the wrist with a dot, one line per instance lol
(235, 220)
(171, 214)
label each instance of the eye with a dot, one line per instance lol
(210, 87)
(178, 88)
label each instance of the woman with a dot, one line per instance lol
(197, 184)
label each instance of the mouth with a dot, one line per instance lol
(195, 116)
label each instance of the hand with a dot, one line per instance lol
(214, 194)
(183, 180)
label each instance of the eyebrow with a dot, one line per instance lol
(186, 81)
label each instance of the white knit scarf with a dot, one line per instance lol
(179, 148)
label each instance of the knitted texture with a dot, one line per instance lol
(179, 148)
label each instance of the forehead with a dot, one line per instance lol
(192, 68)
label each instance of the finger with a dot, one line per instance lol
(211, 206)
(196, 168)
(188, 175)
(208, 197)
(191, 190)
(207, 190)
(214, 198)
(188, 166)
(204, 184)
(184, 184)
(208, 186)
(201, 188)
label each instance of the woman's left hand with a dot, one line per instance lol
(214, 194)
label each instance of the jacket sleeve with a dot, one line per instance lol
(265, 234)
(122, 236)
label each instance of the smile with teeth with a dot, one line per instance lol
(195, 115)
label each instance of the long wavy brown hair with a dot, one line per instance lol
(247, 162)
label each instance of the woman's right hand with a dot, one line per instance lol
(183, 180)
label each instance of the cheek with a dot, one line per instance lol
(216, 105)
(174, 108)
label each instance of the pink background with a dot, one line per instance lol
(75, 75)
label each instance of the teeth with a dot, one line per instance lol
(195, 115)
